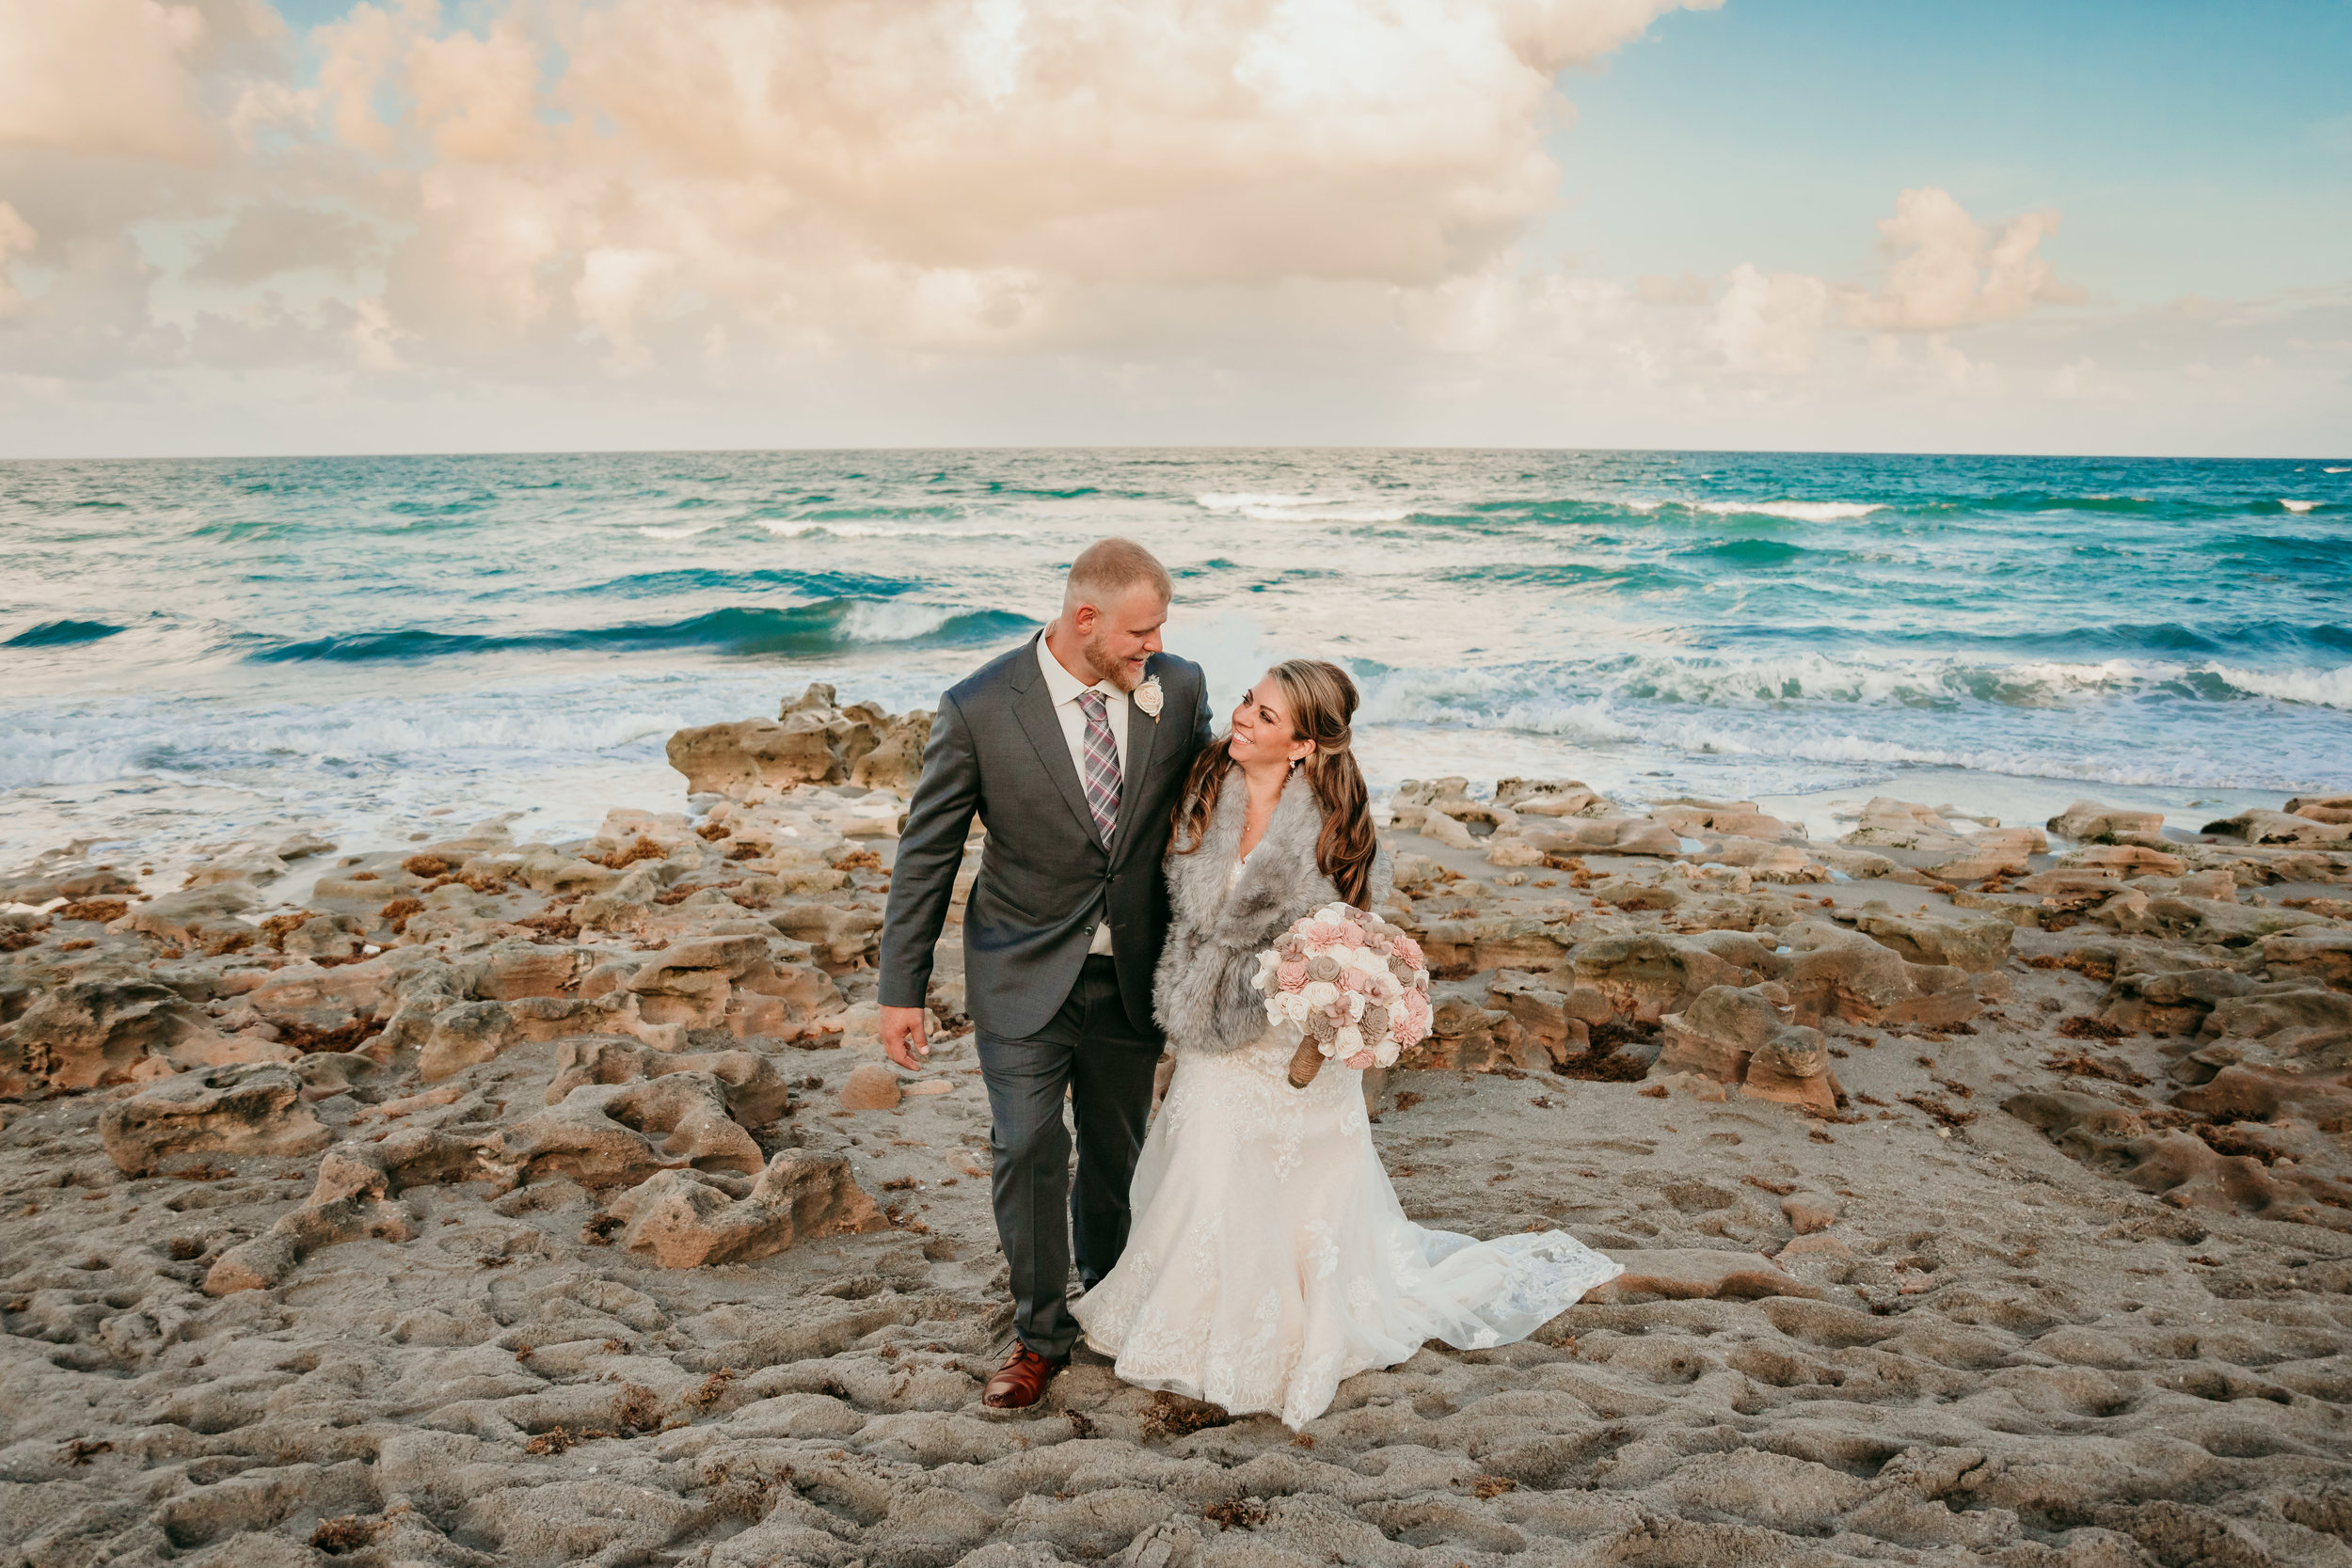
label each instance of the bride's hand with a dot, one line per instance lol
(1361, 1060)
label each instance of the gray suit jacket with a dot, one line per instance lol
(1046, 878)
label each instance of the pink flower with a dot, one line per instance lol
(1409, 950)
(1319, 933)
(1355, 980)
(1352, 935)
(1291, 973)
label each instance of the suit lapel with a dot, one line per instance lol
(1143, 734)
(1033, 705)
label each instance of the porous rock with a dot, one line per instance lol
(242, 1110)
(871, 1086)
(87, 1032)
(1842, 974)
(1695, 1274)
(1973, 943)
(682, 1221)
(1739, 1036)
(2091, 822)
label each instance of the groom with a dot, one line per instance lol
(1072, 749)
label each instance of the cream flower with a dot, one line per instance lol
(1148, 697)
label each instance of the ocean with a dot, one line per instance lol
(196, 651)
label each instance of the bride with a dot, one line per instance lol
(1269, 1258)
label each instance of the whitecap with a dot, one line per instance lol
(2336, 471)
(687, 532)
(1335, 514)
(1800, 512)
(2298, 507)
(2320, 688)
(1239, 500)
(892, 621)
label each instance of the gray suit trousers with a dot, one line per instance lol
(1091, 1050)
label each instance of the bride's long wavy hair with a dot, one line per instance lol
(1322, 701)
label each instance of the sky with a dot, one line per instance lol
(229, 227)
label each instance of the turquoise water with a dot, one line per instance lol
(346, 640)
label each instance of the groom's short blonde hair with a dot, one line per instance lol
(1107, 568)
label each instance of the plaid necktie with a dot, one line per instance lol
(1102, 768)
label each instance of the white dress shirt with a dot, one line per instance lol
(1064, 689)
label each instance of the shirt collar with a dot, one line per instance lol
(1064, 687)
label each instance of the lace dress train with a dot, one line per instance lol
(1270, 1259)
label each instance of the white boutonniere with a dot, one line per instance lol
(1148, 697)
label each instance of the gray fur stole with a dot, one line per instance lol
(1201, 992)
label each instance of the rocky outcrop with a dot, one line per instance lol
(1645, 977)
(2274, 827)
(87, 1032)
(810, 741)
(237, 1110)
(2185, 1169)
(1845, 975)
(1741, 1038)
(2091, 822)
(1604, 835)
(605, 1136)
(1977, 945)
(2322, 808)
(683, 1220)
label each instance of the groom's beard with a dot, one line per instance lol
(1107, 665)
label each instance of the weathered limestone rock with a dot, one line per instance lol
(1864, 865)
(2322, 808)
(1455, 948)
(1561, 1020)
(1689, 1274)
(241, 1110)
(683, 1221)
(616, 1134)
(2171, 1003)
(1551, 798)
(896, 760)
(201, 917)
(1732, 818)
(1434, 824)
(1764, 862)
(1648, 976)
(2312, 955)
(48, 881)
(871, 1086)
(86, 1033)
(2275, 827)
(1976, 944)
(810, 741)
(2124, 859)
(1886, 823)
(2295, 1017)
(1605, 836)
(1842, 974)
(842, 938)
(2089, 822)
(2202, 921)
(351, 1201)
(2184, 1168)
(755, 1094)
(1739, 1036)
(1810, 1212)
(1994, 852)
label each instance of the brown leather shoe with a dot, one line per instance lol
(1021, 1381)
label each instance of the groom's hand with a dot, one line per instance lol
(902, 1036)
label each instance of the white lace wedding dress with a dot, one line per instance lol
(1270, 1259)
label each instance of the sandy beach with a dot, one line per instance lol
(1982, 1190)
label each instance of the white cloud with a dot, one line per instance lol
(1274, 207)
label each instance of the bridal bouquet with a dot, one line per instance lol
(1353, 985)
